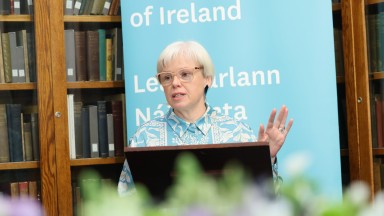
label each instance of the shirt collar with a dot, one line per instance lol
(180, 126)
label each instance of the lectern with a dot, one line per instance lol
(154, 166)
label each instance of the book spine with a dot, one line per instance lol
(14, 132)
(78, 133)
(93, 131)
(68, 7)
(2, 73)
(102, 128)
(4, 146)
(109, 59)
(85, 131)
(70, 54)
(77, 7)
(35, 136)
(28, 141)
(115, 108)
(93, 69)
(102, 54)
(6, 57)
(81, 56)
(13, 57)
(111, 138)
(106, 7)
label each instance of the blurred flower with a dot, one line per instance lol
(22, 206)
(197, 194)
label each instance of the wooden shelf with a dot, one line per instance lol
(374, 1)
(378, 151)
(97, 161)
(17, 86)
(92, 18)
(20, 165)
(16, 18)
(95, 84)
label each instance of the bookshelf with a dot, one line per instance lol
(54, 169)
(362, 85)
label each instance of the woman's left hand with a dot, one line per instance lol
(276, 131)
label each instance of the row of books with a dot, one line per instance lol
(377, 113)
(378, 173)
(92, 7)
(95, 129)
(94, 55)
(375, 23)
(19, 134)
(17, 59)
(16, 7)
(22, 189)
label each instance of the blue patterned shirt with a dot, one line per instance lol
(171, 130)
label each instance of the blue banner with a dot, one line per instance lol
(266, 54)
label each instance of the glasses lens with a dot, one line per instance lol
(165, 78)
(185, 75)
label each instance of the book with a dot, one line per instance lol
(14, 58)
(97, 7)
(93, 69)
(6, 57)
(109, 59)
(26, 7)
(4, 146)
(117, 54)
(32, 189)
(111, 135)
(2, 73)
(87, 7)
(93, 131)
(81, 56)
(23, 44)
(14, 132)
(35, 136)
(85, 131)
(5, 7)
(102, 54)
(106, 7)
(102, 128)
(16, 7)
(68, 7)
(120, 97)
(31, 54)
(23, 189)
(115, 107)
(78, 133)
(14, 186)
(77, 7)
(70, 54)
(71, 126)
(28, 148)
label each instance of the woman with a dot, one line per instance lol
(185, 71)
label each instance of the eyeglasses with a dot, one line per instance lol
(184, 75)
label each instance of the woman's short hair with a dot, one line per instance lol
(188, 49)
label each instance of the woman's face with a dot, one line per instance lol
(186, 97)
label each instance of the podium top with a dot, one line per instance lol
(154, 166)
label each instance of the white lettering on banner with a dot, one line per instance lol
(151, 85)
(231, 77)
(239, 112)
(245, 79)
(191, 13)
(201, 15)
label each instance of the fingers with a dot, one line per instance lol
(260, 136)
(271, 119)
(282, 117)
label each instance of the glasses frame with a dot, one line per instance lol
(196, 68)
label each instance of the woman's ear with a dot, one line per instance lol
(208, 81)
